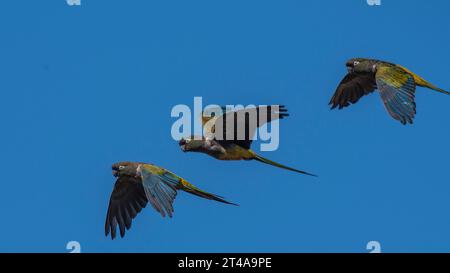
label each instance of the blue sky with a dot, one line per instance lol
(84, 87)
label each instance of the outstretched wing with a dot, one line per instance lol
(245, 122)
(161, 187)
(397, 90)
(160, 191)
(126, 201)
(353, 87)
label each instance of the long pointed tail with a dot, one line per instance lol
(422, 82)
(270, 162)
(188, 187)
(429, 85)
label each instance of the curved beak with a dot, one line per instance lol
(182, 144)
(349, 68)
(115, 170)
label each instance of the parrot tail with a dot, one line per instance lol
(429, 85)
(423, 83)
(270, 162)
(188, 187)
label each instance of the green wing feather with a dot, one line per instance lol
(397, 90)
(161, 187)
(160, 192)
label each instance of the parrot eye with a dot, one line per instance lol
(355, 63)
(121, 167)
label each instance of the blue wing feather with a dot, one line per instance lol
(399, 102)
(160, 191)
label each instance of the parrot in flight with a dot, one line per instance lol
(218, 144)
(396, 85)
(138, 184)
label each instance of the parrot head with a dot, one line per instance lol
(124, 169)
(191, 144)
(360, 65)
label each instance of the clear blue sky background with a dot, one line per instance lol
(84, 87)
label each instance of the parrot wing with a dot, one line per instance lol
(160, 192)
(353, 87)
(126, 201)
(245, 121)
(161, 187)
(397, 90)
(211, 114)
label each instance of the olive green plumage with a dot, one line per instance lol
(219, 145)
(138, 184)
(396, 85)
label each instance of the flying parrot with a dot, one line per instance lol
(232, 147)
(396, 85)
(139, 183)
